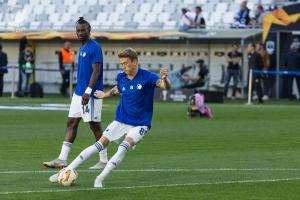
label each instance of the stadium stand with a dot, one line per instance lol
(114, 14)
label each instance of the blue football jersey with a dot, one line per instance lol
(137, 96)
(88, 55)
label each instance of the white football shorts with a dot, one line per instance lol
(116, 130)
(89, 113)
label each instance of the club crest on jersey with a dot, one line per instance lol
(83, 54)
(139, 86)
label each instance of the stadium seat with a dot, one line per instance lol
(109, 8)
(146, 8)
(120, 8)
(163, 17)
(113, 17)
(157, 8)
(150, 17)
(209, 7)
(126, 17)
(118, 25)
(139, 17)
(102, 16)
(131, 25)
(200, 2)
(228, 17)
(127, 1)
(142, 13)
(170, 25)
(221, 7)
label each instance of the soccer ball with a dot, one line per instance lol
(67, 177)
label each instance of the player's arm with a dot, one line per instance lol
(102, 95)
(93, 80)
(163, 82)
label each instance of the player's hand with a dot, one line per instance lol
(85, 99)
(163, 73)
(99, 94)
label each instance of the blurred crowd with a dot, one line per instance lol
(244, 17)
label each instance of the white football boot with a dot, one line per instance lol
(98, 182)
(99, 165)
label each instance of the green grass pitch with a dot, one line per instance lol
(245, 152)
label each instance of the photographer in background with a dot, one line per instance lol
(199, 79)
(27, 64)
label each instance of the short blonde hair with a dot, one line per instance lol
(128, 53)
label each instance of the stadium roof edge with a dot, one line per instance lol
(201, 34)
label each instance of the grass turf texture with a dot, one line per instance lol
(262, 141)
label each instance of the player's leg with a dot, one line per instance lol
(97, 130)
(93, 116)
(258, 88)
(70, 134)
(113, 132)
(134, 135)
(235, 82)
(227, 81)
(88, 152)
(83, 156)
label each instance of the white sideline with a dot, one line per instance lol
(33, 108)
(151, 186)
(160, 170)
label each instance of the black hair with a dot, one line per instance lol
(200, 61)
(184, 10)
(81, 20)
(261, 8)
(199, 8)
(0, 46)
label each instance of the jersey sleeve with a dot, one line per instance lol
(96, 55)
(153, 78)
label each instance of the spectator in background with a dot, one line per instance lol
(242, 18)
(272, 7)
(66, 62)
(257, 21)
(186, 20)
(3, 68)
(255, 62)
(199, 79)
(199, 21)
(233, 70)
(27, 63)
(266, 60)
(292, 63)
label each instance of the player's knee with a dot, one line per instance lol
(124, 146)
(130, 141)
(72, 123)
(104, 141)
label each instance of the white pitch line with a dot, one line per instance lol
(33, 108)
(159, 170)
(152, 186)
